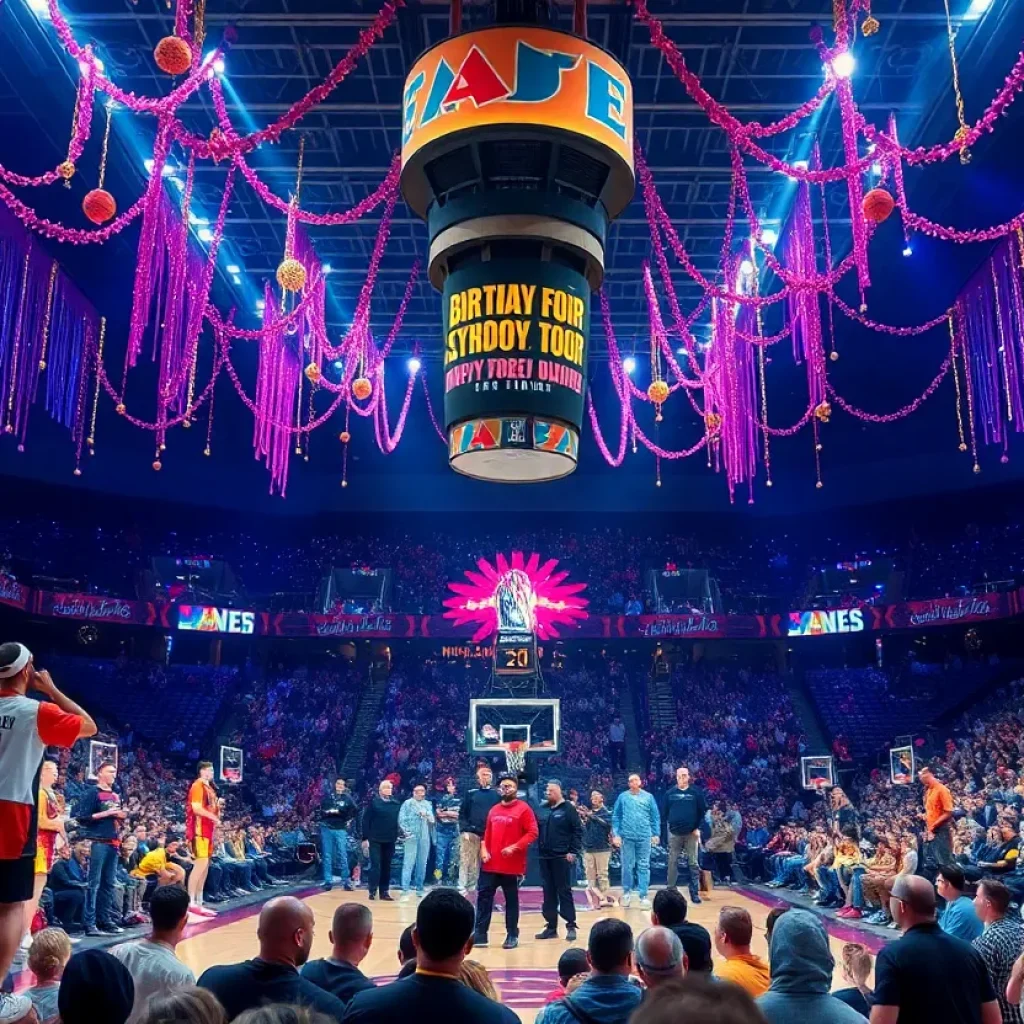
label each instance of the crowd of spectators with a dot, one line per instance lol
(763, 570)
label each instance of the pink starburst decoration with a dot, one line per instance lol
(521, 594)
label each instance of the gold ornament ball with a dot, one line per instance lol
(313, 373)
(362, 388)
(345, 437)
(977, 468)
(344, 483)
(206, 451)
(42, 365)
(291, 275)
(90, 441)
(173, 55)
(157, 465)
(869, 26)
(823, 411)
(819, 485)
(77, 471)
(657, 391)
(963, 446)
(186, 423)
(120, 409)
(66, 170)
(834, 356)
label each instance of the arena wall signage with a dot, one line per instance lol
(207, 619)
(96, 608)
(469, 623)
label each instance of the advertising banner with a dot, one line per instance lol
(199, 618)
(13, 593)
(95, 608)
(943, 611)
(343, 626)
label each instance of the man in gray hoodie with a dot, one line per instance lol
(801, 965)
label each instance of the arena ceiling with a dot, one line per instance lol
(753, 55)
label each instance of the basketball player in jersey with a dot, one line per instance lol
(201, 818)
(27, 727)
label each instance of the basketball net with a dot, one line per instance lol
(515, 757)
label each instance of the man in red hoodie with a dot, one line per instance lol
(511, 827)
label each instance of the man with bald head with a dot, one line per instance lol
(351, 936)
(929, 975)
(285, 934)
(659, 956)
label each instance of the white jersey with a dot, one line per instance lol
(27, 727)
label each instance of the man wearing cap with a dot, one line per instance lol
(27, 728)
(561, 844)
(511, 828)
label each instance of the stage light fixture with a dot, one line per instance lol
(843, 64)
(205, 235)
(414, 365)
(769, 236)
(629, 364)
(233, 268)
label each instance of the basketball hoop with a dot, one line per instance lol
(515, 757)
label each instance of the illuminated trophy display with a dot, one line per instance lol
(517, 150)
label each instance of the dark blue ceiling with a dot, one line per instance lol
(754, 55)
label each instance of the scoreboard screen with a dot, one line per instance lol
(515, 655)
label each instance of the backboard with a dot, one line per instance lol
(817, 772)
(495, 722)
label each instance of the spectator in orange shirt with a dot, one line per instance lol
(732, 941)
(938, 816)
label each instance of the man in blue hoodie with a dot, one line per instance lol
(636, 826)
(609, 995)
(801, 966)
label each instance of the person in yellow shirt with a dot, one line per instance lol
(157, 869)
(733, 933)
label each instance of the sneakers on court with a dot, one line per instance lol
(480, 942)
(13, 1008)
(511, 942)
(645, 904)
(627, 898)
(406, 896)
(570, 933)
(548, 933)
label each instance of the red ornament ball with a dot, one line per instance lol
(362, 388)
(878, 205)
(173, 55)
(99, 205)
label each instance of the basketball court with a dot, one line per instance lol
(523, 976)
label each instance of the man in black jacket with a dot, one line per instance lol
(683, 811)
(69, 880)
(380, 833)
(443, 936)
(337, 811)
(559, 844)
(473, 813)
